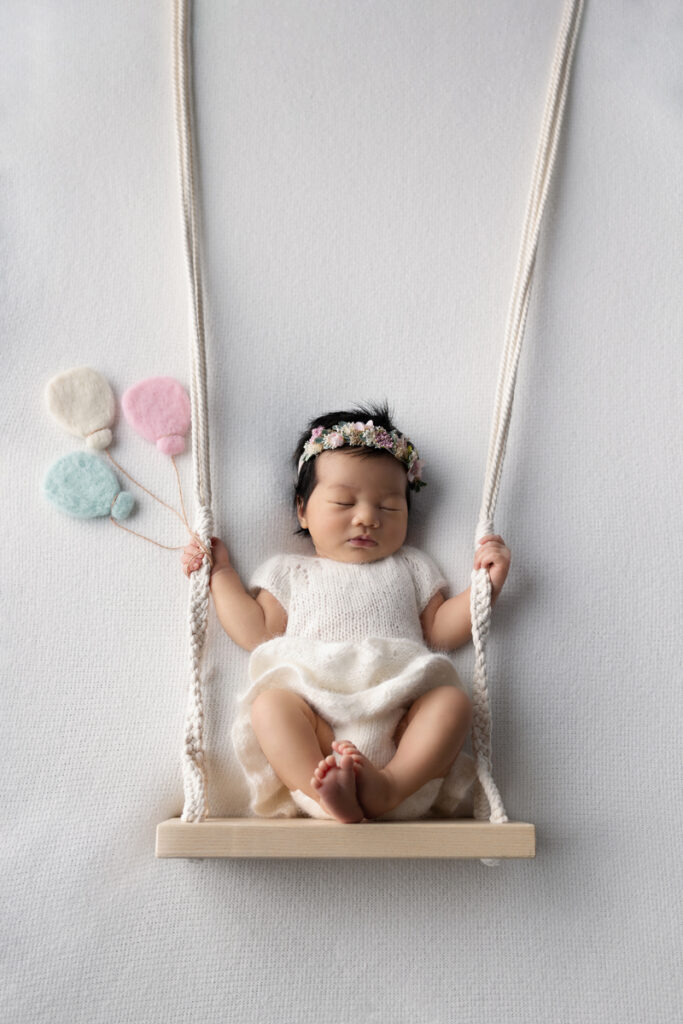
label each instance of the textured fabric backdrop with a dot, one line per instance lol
(365, 169)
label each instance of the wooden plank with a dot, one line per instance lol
(310, 837)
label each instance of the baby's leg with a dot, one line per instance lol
(429, 736)
(298, 745)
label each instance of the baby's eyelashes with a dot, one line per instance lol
(349, 504)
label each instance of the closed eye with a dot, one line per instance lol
(349, 504)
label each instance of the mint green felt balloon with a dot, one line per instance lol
(84, 486)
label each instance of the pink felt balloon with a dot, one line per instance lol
(159, 409)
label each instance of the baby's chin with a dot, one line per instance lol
(356, 555)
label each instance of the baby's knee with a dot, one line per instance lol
(276, 703)
(265, 705)
(454, 703)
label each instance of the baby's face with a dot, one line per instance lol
(357, 498)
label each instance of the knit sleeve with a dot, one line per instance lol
(273, 576)
(427, 577)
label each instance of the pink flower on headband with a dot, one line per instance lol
(415, 471)
(383, 439)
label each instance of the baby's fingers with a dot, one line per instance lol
(193, 566)
(485, 557)
(192, 558)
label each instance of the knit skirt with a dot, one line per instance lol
(362, 689)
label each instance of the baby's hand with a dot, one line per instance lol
(193, 556)
(492, 555)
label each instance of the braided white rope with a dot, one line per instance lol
(194, 769)
(487, 797)
(487, 801)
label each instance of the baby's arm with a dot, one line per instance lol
(248, 621)
(447, 624)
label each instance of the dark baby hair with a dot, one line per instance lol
(381, 416)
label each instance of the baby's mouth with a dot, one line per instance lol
(363, 542)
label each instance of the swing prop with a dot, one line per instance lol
(489, 835)
(312, 837)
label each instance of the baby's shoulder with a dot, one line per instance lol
(288, 563)
(425, 572)
(282, 575)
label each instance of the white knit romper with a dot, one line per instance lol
(354, 650)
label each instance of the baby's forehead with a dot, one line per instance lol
(344, 471)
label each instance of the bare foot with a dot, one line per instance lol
(374, 788)
(336, 786)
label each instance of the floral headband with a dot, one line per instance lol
(366, 435)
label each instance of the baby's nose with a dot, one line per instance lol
(366, 515)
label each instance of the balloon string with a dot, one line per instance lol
(156, 497)
(183, 518)
(166, 546)
(182, 503)
(195, 537)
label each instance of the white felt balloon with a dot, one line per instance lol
(82, 402)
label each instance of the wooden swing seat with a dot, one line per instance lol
(311, 837)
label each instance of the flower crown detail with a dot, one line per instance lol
(358, 435)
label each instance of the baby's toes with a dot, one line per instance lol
(322, 770)
(350, 749)
(325, 765)
(344, 747)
